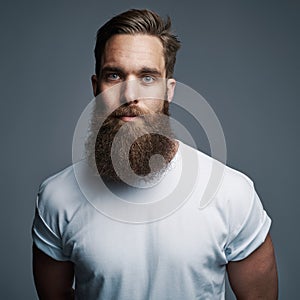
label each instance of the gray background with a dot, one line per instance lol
(242, 56)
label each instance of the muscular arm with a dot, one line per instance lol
(53, 279)
(255, 277)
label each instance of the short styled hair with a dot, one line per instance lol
(137, 21)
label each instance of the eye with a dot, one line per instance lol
(148, 79)
(112, 76)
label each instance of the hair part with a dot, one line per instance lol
(136, 21)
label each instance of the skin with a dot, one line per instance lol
(137, 62)
(134, 65)
(255, 277)
(53, 279)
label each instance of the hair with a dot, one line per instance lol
(137, 21)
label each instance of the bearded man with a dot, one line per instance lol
(182, 256)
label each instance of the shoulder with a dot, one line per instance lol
(58, 200)
(65, 176)
(227, 182)
(59, 194)
(220, 186)
(237, 203)
(231, 183)
(236, 185)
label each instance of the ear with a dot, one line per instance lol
(171, 83)
(95, 85)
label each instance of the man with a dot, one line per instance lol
(182, 256)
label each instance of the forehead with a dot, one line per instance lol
(134, 51)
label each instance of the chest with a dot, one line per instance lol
(187, 240)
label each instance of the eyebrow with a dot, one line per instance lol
(147, 70)
(112, 69)
(143, 70)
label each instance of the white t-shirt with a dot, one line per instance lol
(181, 256)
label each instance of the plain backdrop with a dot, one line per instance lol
(241, 56)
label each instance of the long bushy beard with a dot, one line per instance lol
(144, 132)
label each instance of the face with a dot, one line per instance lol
(134, 65)
(132, 85)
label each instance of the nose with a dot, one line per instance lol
(130, 91)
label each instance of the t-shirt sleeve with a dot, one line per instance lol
(249, 223)
(46, 230)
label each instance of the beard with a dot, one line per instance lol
(127, 149)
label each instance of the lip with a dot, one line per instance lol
(128, 118)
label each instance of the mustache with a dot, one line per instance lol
(129, 111)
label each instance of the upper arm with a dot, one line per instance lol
(53, 279)
(255, 277)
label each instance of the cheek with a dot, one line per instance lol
(154, 105)
(110, 97)
(157, 96)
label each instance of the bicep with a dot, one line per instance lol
(255, 277)
(53, 279)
